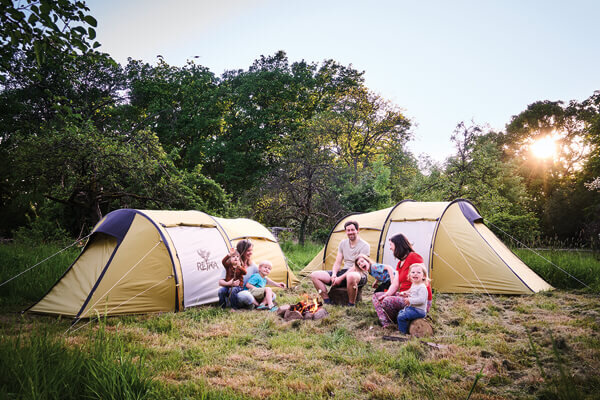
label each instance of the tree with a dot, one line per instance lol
(556, 185)
(266, 105)
(182, 105)
(479, 173)
(91, 173)
(66, 89)
(362, 126)
(42, 27)
(292, 192)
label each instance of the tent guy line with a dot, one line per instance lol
(92, 307)
(465, 279)
(538, 254)
(468, 264)
(44, 260)
(114, 308)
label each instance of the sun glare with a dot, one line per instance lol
(544, 148)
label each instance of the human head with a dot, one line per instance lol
(402, 246)
(235, 258)
(264, 268)
(245, 248)
(363, 262)
(421, 268)
(351, 228)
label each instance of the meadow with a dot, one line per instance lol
(543, 346)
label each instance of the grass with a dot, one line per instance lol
(299, 256)
(565, 269)
(32, 285)
(540, 346)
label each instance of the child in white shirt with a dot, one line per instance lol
(416, 297)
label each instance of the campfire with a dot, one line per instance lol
(309, 308)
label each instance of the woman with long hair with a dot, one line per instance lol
(389, 303)
(235, 293)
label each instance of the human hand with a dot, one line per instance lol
(281, 285)
(236, 282)
(375, 284)
(333, 280)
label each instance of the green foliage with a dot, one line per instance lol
(181, 105)
(320, 235)
(369, 192)
(510, 227)
(42, 366)
(565, 269)
(44, 226)
(40, 27)
(556, 186)
(299, 255)
(295, 144)
(16, 258)
(268, 109)
(92, 172)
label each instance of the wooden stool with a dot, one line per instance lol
(339, 295)
(420, 328)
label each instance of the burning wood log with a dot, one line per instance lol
(306, 309)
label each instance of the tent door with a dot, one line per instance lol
(419, 233)
(200, 251)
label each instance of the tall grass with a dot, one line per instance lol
(565, 269)
(299, 256)
(40, 366)
(32, 285)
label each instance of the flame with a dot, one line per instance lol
(306, 305)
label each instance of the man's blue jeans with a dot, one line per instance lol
(408, 314)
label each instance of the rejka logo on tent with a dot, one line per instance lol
(206, 264)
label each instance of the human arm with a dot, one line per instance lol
(254, 282)
(278, 284)
(231, 282)
(223, 281)
(338, 279)
(336, 266)
(417, 296)
(392, 289)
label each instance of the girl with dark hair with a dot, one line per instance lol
(232, 291)
(388, 304)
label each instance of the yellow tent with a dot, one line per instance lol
(148, 261)
(462, 254)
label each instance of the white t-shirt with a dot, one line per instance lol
(350, 253)
(417, 296)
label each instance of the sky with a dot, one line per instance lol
(440, 62)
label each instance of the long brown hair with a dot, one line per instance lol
(242, 247)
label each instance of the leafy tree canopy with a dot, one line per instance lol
(42, 26)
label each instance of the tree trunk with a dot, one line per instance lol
(302, 233)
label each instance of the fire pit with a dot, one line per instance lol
(305, 309)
